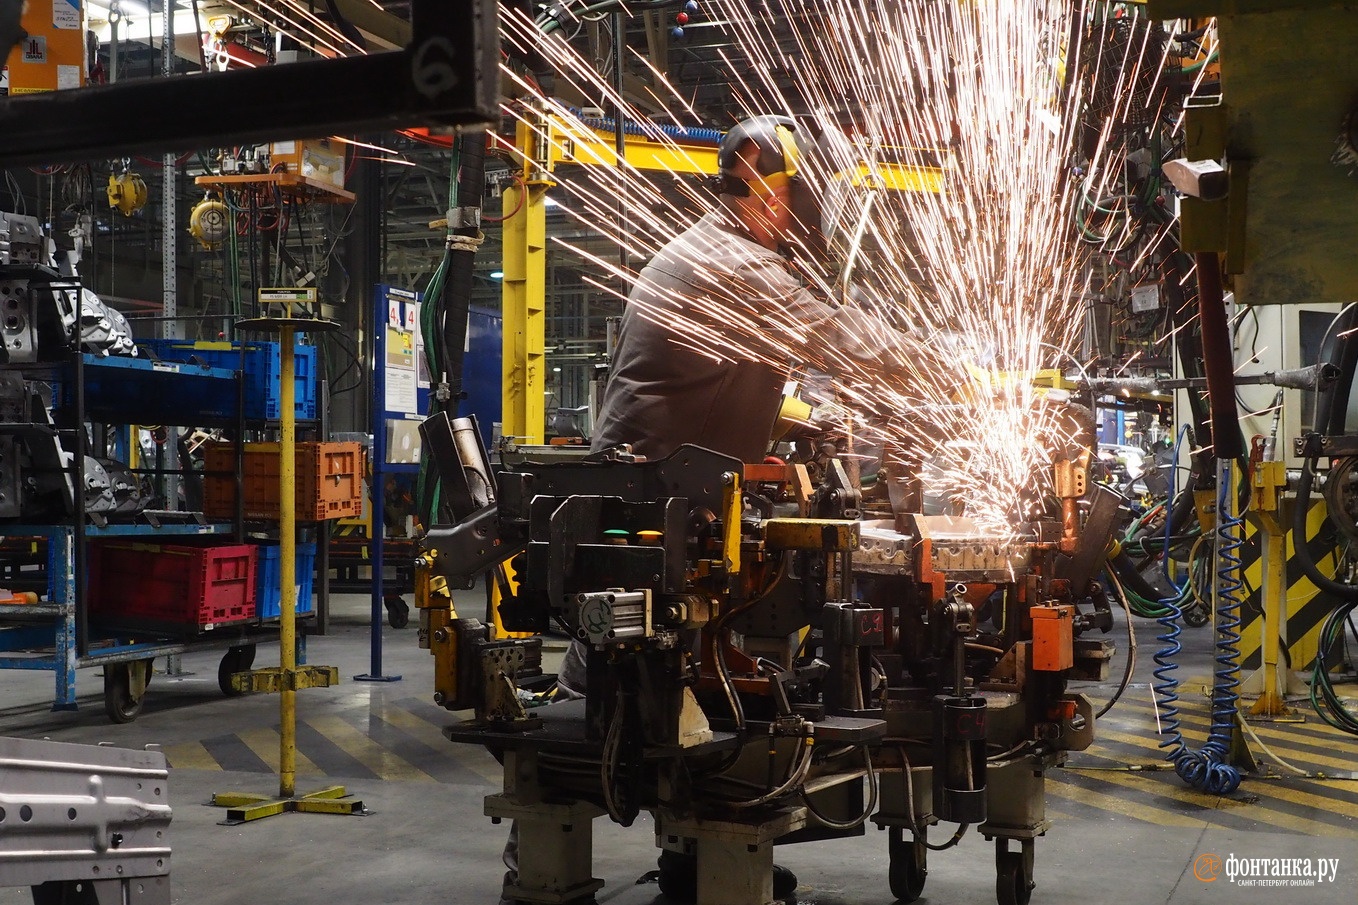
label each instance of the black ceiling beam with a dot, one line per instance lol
(446, 77)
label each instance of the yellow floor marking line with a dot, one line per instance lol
(386, 764)
(473, 758)
(190, 756)
(264, 742)
(1106, 802)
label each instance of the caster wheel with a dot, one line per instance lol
(1013, 874)
(236, 659)
(677, 876)
(908, 869)
(1196, 616)
(398, 612)
(119, 702)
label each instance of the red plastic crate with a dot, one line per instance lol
(175, 588)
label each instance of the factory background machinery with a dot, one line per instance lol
(778, 652)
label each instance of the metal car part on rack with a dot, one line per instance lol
(38, 310)
(84, 823)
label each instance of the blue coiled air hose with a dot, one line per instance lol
(1205, 769)
(1166, 686)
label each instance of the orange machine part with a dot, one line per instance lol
(1053, 638)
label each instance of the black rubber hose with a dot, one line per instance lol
(1182, 314)
(457, 288)
(1332, 403)
(1303, 553)
(1331, 418)
(1133, 580)
(1218, 360)
(1185, 506)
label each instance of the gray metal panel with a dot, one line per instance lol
(79, 812)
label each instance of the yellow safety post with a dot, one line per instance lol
(1270, 478)
(287, 565)
(287, 678)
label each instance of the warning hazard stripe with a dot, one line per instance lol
(1307, 606)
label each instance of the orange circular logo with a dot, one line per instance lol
(1207, 867)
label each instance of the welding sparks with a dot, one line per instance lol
(981, 110)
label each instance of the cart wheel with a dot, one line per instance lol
(908, 869)
(1013, 873)
(1196, 615)
(119, 704)
(236, 659)
(398, 612)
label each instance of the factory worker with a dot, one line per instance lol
(728, 277)
(728, 282)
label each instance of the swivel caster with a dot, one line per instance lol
(125, 689)
(398, 611)
(908, 869)
(1013, 873)
(236, 659)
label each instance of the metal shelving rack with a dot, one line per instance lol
(56, 634)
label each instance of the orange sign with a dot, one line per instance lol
(53, 54)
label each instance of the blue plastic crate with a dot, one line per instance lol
(262, 366)
(268, 593)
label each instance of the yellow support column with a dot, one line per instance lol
(287, 565)
(524, 309)
(287, 678)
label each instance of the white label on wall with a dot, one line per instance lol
(1145, 298)
(65, 13)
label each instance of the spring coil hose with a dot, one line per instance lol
(1166, 686)
(1207, 769)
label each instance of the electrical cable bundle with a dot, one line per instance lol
(1323, 696)
(1143, 540)
(1331, 417)
(426, 483)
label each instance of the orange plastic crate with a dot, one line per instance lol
(329, 481)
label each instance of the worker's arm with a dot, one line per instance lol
(799, 320)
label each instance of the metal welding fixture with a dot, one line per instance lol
(754, 674)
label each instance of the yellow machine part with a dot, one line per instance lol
(126, 193)
(793, 415)
(443, 645)
(208, 223)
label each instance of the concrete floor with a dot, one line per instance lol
(1119, 837)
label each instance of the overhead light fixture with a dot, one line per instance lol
(497, 274)
(135, 8)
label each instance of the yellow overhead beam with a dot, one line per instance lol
(594, 147)
(896, 177)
